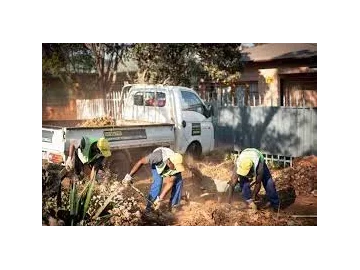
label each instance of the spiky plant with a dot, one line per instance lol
(79, 203)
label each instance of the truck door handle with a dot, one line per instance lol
(183, 123)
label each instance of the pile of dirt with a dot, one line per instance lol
(208, 175)
(302, 176)
(301, 179)
(214, 214)
(216, 171)
(99, 122)
(124, 208)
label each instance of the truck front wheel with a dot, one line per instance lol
(194, 150)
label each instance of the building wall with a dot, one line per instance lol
(269, 86)
(299, 83)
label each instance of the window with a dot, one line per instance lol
(154, 99)
(249, 94)
(139, 99)
(191, 102)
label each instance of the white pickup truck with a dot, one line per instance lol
(151, 116)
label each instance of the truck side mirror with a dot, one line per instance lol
(209, 111)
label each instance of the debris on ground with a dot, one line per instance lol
(201, 205)
(214, 214)
(50, 179)
(99, 122)
(216, 171)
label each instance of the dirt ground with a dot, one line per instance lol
(203, 205)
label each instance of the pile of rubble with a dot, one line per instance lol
(124, 209)
(302, 176)
(214, 214)
(216, 171)
(99, 122)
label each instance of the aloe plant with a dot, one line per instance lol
(73, 202)
(88, 197)
(79, 203)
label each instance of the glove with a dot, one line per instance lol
(100, 176)
(127, 179)
(69, 164)
(157, 203)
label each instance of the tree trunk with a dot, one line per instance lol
(103, 91)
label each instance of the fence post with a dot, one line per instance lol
(290, 100)
(259, 99)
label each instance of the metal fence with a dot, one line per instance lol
(287, 131)
(92, 108)
(277, 130)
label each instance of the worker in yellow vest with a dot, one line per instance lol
(248, 165)
(167, 166)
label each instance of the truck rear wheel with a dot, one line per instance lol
(119, 164)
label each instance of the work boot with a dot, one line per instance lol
(267, 205)
(175, 208)
(252, 205)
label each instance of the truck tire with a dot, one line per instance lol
(119, 164)
(194, 150)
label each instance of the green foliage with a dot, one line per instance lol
(185, 64)
(106, 58)
(166, 63)
(65, 60)
(61, 58)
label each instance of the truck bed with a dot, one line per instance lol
(130, 134)
(79, 123)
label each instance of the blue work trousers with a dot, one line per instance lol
(268, 185)
(156, 186)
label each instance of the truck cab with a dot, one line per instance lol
(181, 106)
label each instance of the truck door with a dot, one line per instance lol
(195, 126)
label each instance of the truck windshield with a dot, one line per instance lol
(191, 102)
